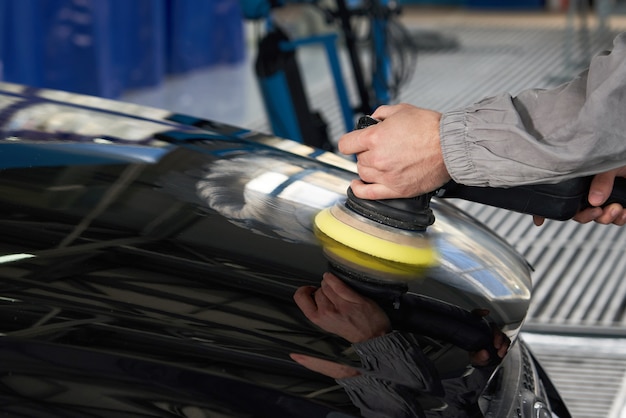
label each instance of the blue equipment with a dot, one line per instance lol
(283, 93)
(278, 74)
(259, 9)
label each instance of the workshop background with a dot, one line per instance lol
(197, 57)
(113, 46)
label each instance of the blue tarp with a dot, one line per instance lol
(103, 47)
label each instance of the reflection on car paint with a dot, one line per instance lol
(276, 196)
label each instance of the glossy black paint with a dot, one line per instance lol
(148, 263)
(164, 293)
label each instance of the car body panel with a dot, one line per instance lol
(158, 252)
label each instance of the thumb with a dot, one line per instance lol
(601, 187)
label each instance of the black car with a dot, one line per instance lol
(149, 261)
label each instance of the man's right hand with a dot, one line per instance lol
(398, 157)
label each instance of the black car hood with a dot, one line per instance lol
(154, 262)
(57, 380)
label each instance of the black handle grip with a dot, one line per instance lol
(553, 201)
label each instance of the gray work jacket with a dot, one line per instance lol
(543, 135)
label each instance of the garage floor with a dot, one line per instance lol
(577, 322)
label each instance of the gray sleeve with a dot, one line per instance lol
(543, 135)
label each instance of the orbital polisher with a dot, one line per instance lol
(379, 246)
(394, 231)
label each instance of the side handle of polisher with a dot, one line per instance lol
(559, 201)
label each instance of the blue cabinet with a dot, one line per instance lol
(103, 47)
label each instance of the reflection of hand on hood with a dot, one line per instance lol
(269, 196)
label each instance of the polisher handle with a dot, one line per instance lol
(553, 201)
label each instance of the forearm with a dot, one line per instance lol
(542, 136)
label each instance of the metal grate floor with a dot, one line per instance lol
(579, 284)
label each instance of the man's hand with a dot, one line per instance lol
(599, 192)
(338, 309)
(398, 157)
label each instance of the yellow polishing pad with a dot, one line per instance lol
(366, 265)
(409, 249)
